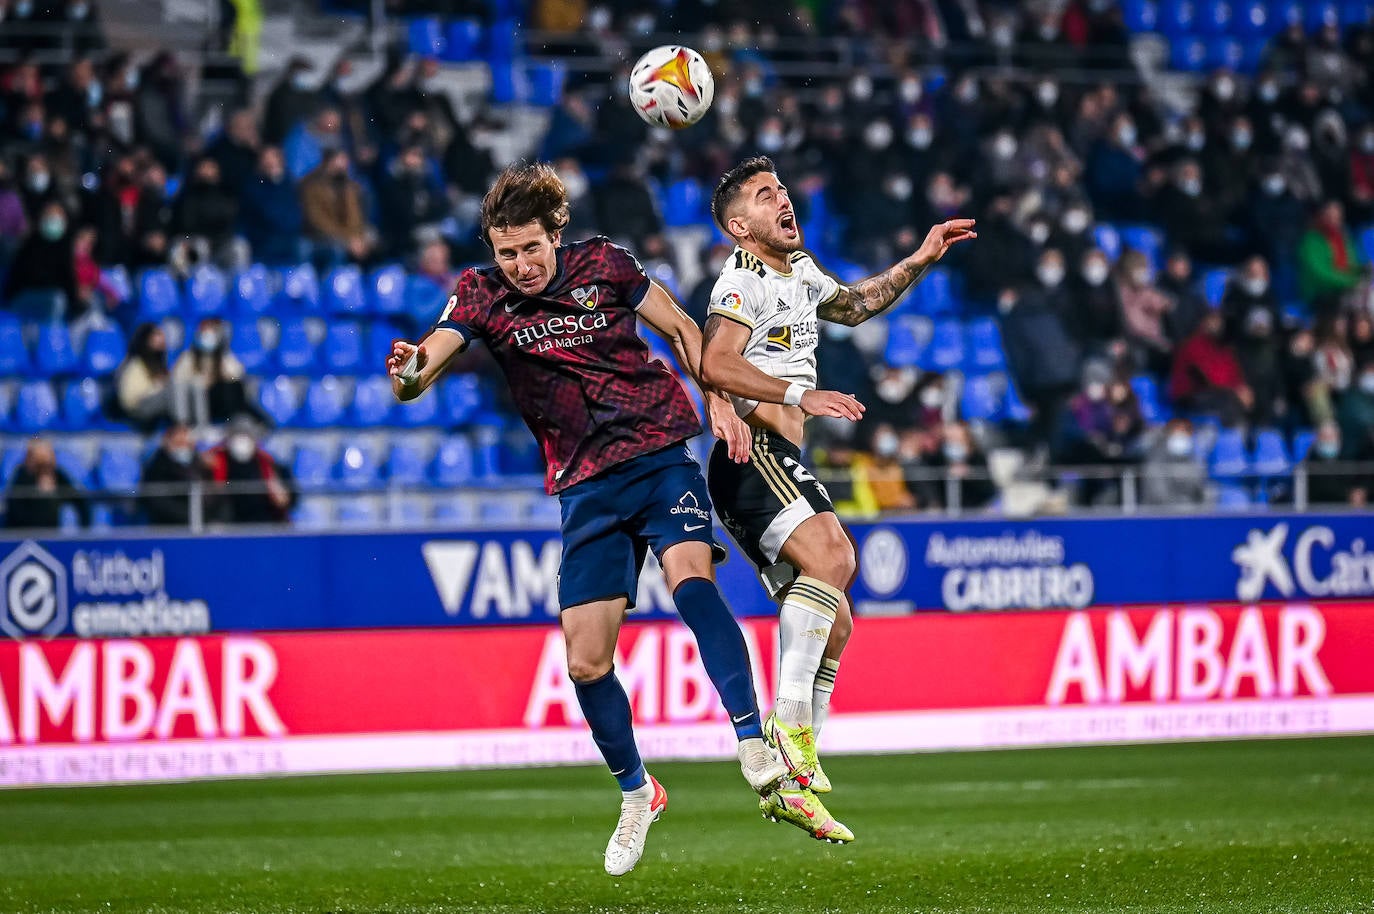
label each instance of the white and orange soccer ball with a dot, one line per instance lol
(672, 86)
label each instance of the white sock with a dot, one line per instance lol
(804, 629)
(820, 694)
(643, 793)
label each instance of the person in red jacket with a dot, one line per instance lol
(257, 489)
(1207, 377)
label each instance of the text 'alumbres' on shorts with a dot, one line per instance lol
(612, 520)
(763, 501)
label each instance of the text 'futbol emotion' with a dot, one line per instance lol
(672, 86)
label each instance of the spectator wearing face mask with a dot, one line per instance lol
(1103, 428)
(39, 489)
(1331, 270)
(1114, 172)
(1003, 255)
(1331, 480)
(1144, 309)
(41, 284)
(1304, 395)
(1360, 194)
(1172, 476)
(1049, 282)
(1362, 338)
(254, 487)
(143, 384)
(882, 470)
(1251, 313)
(1229, 166)
(1179, 283)
(270, 216)
(1334, 362)
(212, 373)
(1095, 307)
(309, 142)
(205, 216)
(335, 217)
(165, 484)
(1191, 218)
(292, 100)
(1355, 415)
(1274, 225)
(1295, 164)
(1207, 377)
(963, 466)
(626, 205)
(1071, 236)
(1043, 357)
(413, 200)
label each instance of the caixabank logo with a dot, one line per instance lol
(33, 593)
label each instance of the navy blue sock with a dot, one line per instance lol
(722, 652)
(607, 709)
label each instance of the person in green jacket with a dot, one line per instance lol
(1330, 269)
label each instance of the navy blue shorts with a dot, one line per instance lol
(612, 520)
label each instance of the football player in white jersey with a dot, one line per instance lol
(759, 345)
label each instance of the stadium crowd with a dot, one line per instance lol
(1157, 271)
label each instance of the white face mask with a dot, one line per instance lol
(1225, 89)
(1095, 273)
(878, 135)
(1126, 135)
(1047, 94)
(861, 88)
(900, 188)
(1039, 233)
(910, 92)
(1050, 275)
(39, 182)
(1141, 277)
(1255, 285)
(1075, 220)
(932, 398)
(1367, 143)
(1268, 92)
(920, 137)
(1241, 139)
(955, 452)
(1179, 444)
(1367, 383)
(575, 182)
(242, 448)
(1296, 139)
(1190, 186)
(1195, 140)
(885, 444)
(1274, 185)
(1004, 146)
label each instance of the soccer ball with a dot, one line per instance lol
(671, 86)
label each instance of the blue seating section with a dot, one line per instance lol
(1207, 34)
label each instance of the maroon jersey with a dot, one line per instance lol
(577, 369)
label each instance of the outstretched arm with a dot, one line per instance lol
(664, 317)
(871, 297)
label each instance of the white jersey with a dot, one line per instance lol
(780, 311)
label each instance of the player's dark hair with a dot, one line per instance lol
(732, 182)
(525, 192)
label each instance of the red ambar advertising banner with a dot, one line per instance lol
(81, 711)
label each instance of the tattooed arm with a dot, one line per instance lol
(857, 303)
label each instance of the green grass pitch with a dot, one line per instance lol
(1238, 827)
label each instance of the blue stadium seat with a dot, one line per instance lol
(280, 399)
(405, 512)
(326, 401)
(935, 295)
(158, 296)
(460, 397)
(75, 461)
(1214, 285)
(379, 337)
(456, 511)
(82, 405)
(358, 468)
(313, 466)
(14, 355)
(503, 42)
(1282, 13)
(685, 203)
(10, 460)
(300, 288)
(1233, 498)
(248, 345)
(54, 351)
(486, 450)
(207, 292)
(425, 299)
(1229, 459)
(454, 464)
(1224, 53)
(343, 291)
(105, 348)
(1302, 443)
(343, 348)
(1177, 17)
(364, 513)
(295, 348)
(314, 513)
(462, 40)
(1146, 239)
(407, 464)
(1367, 244)
(1251, 54)
(116, 280)
(425, 35)
(1271, 456)
(118, 467)
(373, 401)
(1214, 17)
(981, 400)
(518, 453)
(544, 83)
(252, 292)
(1188, 53)
(35, 408)
(103, 517)
(1016, 409)
(387, 289)
(984, 349)
(1317, 13)
(1140, 15)
(946, 350)
(1106, 237)
(1152, 406)
(1356, 12)
(9, 393)
(421, 411)
(908, 336)
(1251, 18)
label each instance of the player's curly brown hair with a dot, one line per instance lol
(525, 192)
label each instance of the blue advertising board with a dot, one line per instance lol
(131, 586)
